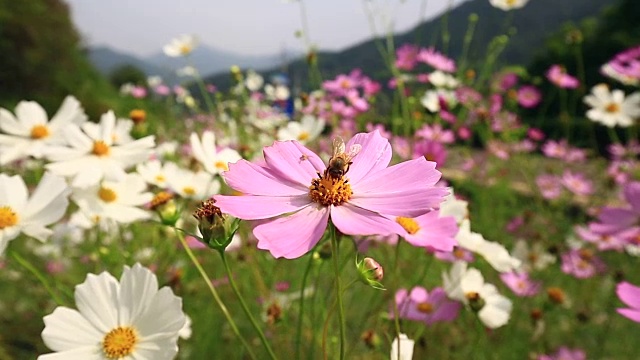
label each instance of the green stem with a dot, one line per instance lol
(301, 312)
(253, 321)
(336, 267)
(27, 265)
(214, 292)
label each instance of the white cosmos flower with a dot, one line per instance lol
(431, 99)
(92, 154)
(612, 108)
(205, 152)
(277, 92)
(116, 200)
(468, 286)
(406, 348)
(304, 131)
(129, 319)
(496, 255)
(508, 4)
(441, 79)
(532, 258)
(120, 134)
(30, 131)
(254, 81)
(155, 173)
(30, 215)
(193, 185)
(451, 206)
(181, 46)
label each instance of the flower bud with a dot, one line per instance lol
(217, 229)
(164, 205)
(371, 273)
(371, 339)
(476, 303)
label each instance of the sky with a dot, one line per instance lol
(247, 27)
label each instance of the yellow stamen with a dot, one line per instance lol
(137, 115)
(222, 165)
(160, 178)
(303, 136)
(189, 190)
(612, 108)
(425, 307)
(327, 190)
(107, 195)
(120, 342)
(409, 224)
(7, 217)
(39, 132)
(185, 49)
(100, 148)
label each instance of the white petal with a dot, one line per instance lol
(97, 300)
(67, 329)
(138, 287)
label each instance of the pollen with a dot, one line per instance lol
(107, 195)
(303, 136)
(222, 165)
(425, 307)
(7, 217)
(612, 108)
(409, 224)
(39, 132)
(100, 148)
(327, 190)
(120, 342)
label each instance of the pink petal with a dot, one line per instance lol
(294, 235)
(632, 194)
(408, 203)
(435, 232)
(375, 155)
(419, 294)
(251, 207)
(253, 179)
(631, 314)
(416, 173)
(614, 219)
(629, 294)
(292, 161)
(352, 220)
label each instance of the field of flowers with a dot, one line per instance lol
(428, 217)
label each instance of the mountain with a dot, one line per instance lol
(209, 60)
(106, 60)
(528, 27)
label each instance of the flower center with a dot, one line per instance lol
(7, 217)
(303, 136)
(328, 190)
(410, 225)
(511, 2)
(119, 342)
(222, 165)
(160, 178)
(100, 148)
(107, 195)
(189, 190)
(39, 132)
(612, 108)
(185, 49)
(425, 307)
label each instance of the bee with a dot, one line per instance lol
(340, 161)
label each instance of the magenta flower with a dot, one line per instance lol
(535, 134)
(436, 60)
(437, 133)
(565, 353)
(559, 77)
(294, 195)
(429, 231)
(521, 284)
(528, 96)
(549, 186)
(420, 305)
(604, 242)
(581, 263)
(630, 295)
(406, 57)
(576, 183)
(431, 150)
(615, 219)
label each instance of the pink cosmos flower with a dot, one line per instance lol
(555, 149)
(458, 254)
(630, 295)
(420, 305)
(615, 219)
(436, 60)
(535, 134)
(429, 231)
(625, 66)
(559, 77)
(431, 150)
(521, 284)
(577, 183)
(565, 353)
(549, 186)
(437, 133)
(528, 96)
(139, 92)
(603, 242)
(294, 195)
(581, 263)
(406, 57)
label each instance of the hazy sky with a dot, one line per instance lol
(142, 27)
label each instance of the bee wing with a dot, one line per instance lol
(354, 150)
(338, 146)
